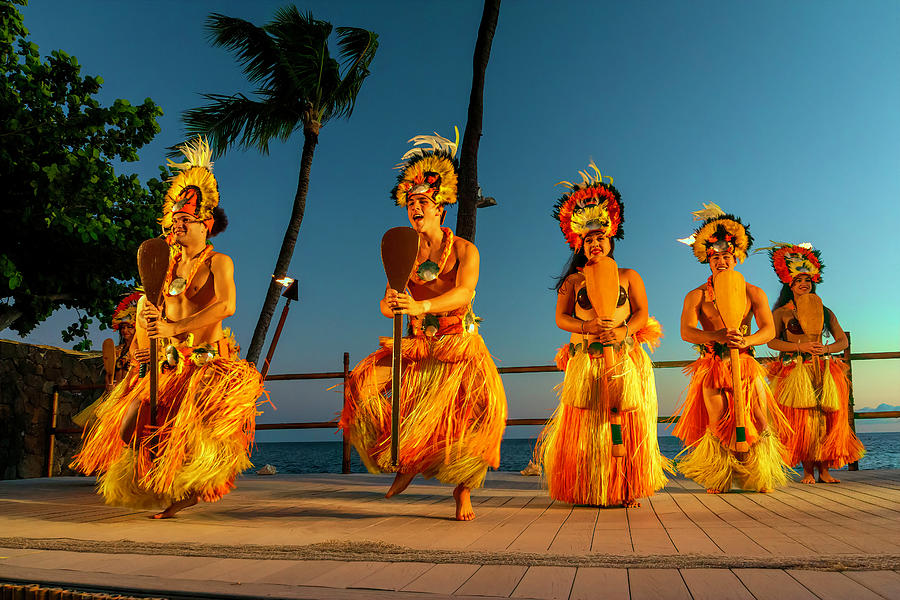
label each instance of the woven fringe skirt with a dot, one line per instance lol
(206, 418)
(452, 409)
(814, 396)
(575, 446)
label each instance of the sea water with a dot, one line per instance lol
(882, 452)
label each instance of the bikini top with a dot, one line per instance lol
(584, 302)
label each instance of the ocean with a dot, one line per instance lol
(882, 452)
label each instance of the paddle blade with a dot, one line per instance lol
(810, 314)
(109, 356)
(399, 246)
(602, 282)
(731, 297)
(153, 262)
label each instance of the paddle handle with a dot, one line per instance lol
(395, 389)
(614, 404)
(740, 407)
(154, 381)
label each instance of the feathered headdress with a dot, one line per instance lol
(194, 190)
(430, 171)
(790, 260)
(720, 232)
(126, 310)
(591, 205)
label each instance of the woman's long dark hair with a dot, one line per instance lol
(578, 260)
(787, 295)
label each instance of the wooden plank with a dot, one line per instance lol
(546, 583)
(442, 579)
(575, 535)
(588, 580)
(612, 540)
(493, 580)
(773, 583)
(302, 571)
(657, 584)
(500, 537)
(831, 585)
(883, 583)
(714, 584)
(346, 574)
(394, 576)
(538, 536)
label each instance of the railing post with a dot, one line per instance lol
(851, 411)
(51, 432)
(345, 443)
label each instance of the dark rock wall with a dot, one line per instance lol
(28, 376)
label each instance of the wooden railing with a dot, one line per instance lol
(344, 374)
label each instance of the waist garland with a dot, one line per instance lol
(721, 350)
(458, 322)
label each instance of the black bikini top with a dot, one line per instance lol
(794, 327)
(584, 302)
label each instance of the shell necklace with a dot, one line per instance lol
(176, 285)
(428, 270)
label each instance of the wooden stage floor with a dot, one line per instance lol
(335, 536)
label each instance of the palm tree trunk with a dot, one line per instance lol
(468, 160)
(310, 139)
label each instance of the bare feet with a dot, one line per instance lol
(175, 507)
(827, 478)
(808, 478)
(401, 482)
(766, 490)
(713, 491)
(464, 510)
(631, 503)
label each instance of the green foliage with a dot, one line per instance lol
(70, 225)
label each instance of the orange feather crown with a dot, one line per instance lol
(791, 260)
(126, 310)
(194, 190)
(720, 232)
(591, 205)
(431, 171)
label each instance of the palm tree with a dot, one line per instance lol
(468, 157)
(299, 86)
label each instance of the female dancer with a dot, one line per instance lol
(810, 385)
(575, 447)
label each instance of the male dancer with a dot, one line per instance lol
(453, 408)
(707, 423)
(206, 407)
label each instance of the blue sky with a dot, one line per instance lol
(783, 113)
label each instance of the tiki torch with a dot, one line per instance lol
(290, 293)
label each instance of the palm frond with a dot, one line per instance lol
(357, 49)
(239, 121)
(255, 50)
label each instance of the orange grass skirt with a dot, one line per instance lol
(709, 455)
(452, 409)
(206, 419)
(814, 395)
(575, 446)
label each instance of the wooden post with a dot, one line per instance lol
(851, 415)
(51, 433)
(345, 443)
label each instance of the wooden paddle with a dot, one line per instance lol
(153, 262)
(399, 247)
(811, 316)
(109, 362)
(731, 301)
(602, 282)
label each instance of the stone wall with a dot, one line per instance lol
(28, 376)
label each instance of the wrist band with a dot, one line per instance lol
(582, 327)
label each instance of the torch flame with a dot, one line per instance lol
(285, 281)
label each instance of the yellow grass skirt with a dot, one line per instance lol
(205, 426)
(709, 456)
(574, 448)
(452, 409)
(814, 395)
